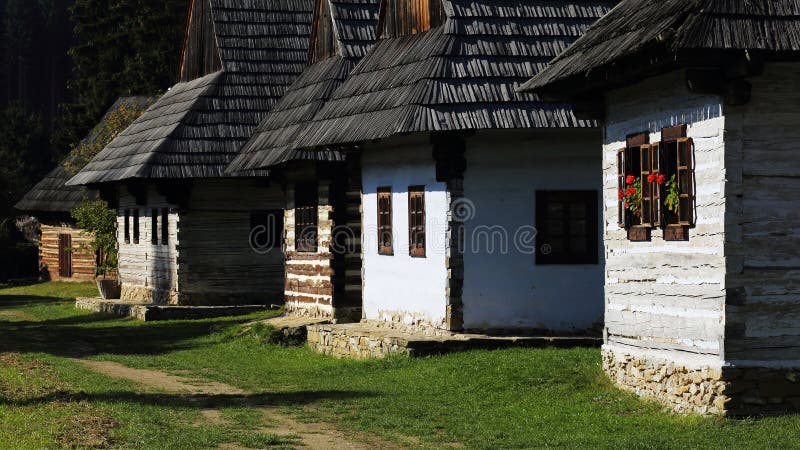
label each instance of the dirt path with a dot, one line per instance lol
(312, 435)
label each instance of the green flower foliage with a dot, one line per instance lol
(117, 121)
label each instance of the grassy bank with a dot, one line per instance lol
(511, 398)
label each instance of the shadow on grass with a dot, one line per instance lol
(200, 401)
(25, 301)
(84, 335)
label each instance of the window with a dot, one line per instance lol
(305, 217)
(416, 221)
(266, 229)
(127, 226)
(135, 226)
(567, 227)
(154, 226)
(164, 226)
(385, 233)
(664, 173)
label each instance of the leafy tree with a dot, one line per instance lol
(100, 221)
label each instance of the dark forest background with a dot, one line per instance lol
(64, 62)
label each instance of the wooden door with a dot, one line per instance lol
(65, 255)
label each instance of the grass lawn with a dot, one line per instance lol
(501, 399)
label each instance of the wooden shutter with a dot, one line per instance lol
(385, 232)
(685, 175)
(646, 210)
(65, 255)
(655, 168)
(621, 185)
(416, 221)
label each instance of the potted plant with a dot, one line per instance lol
(100, 222)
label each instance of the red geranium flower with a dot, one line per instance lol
(651, 178)
(621, 194)
(631, 179)
(626, 204)
(631, 191)
(661, 179)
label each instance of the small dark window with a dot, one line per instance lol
(385, 234)
(154, 226)
(164, 226)
(416, 221)
(567, 227)
(306, 217)
(266, 229)
(127, 226)
(135, 226)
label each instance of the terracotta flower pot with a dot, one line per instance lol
(109, 289)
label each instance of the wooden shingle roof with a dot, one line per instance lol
(461, 75)
(645, 36)
(196, 129)
(353, 24)
(51, 195)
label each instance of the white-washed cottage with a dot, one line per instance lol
(701, 174)
(188, 234)
(453, 171)
(322, 234)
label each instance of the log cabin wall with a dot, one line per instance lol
(83, 261)
(217, 263)
(309, 274)
(763, 242)
(667, 296)
(148, 271)
(665, 300)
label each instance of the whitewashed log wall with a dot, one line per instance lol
(763, 238)
(216, 264)
(667, 298)
(148, 272)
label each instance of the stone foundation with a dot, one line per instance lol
(139, 294)
(680, 388)
(309, 310)
(706, 390)
(371, 340)
(347, 343)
